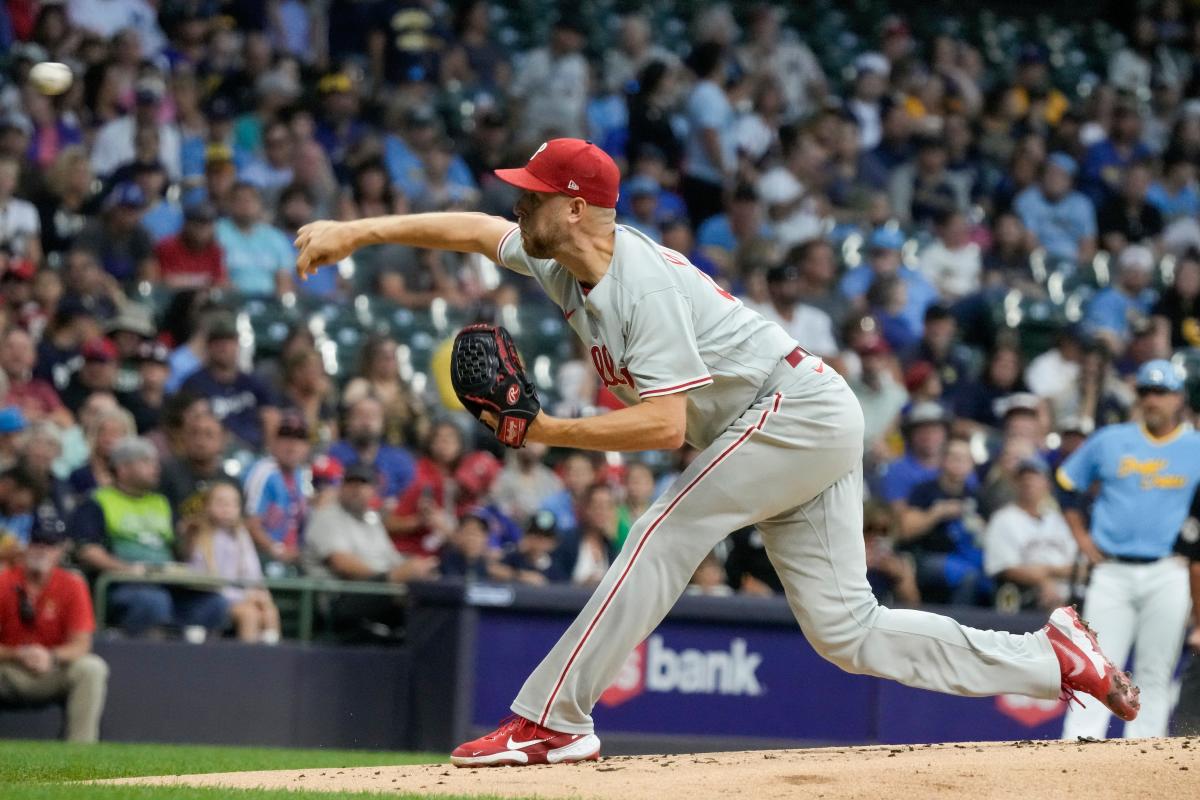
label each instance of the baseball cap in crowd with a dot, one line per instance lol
(1160, 374)
(131, 320)
(126, 195)
(543, 523)
(1137, 257)
(1034, 463)
(1062, 161)
(222, 326)
(1074, 423)
(886, 239)
(154, 353)
(363, 473)
(779, 187)
(200, 211)
(926, 412)
(335, 82)
(874, 345)
(48, 531)
(477, 472)
(12, 420)
(573, 167)
(326, 470)
(872, 62)
(1018, 402)
(641, 186)
(133, 448)
(916, 375)
(293, 426)
(99, 350)
(149, 90)
(218, 153)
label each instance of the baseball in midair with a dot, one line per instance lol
(50, 77)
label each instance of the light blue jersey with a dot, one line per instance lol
(1146, 487)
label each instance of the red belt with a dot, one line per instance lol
(796, 356)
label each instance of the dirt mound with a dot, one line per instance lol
(1168, 768)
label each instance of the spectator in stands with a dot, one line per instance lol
(1058, 218)
(1006, 263)
(925, 430)
(709, 150)
(427, 511)
(128, 331)
(103, 432)
(884, 260)
(308, 390)
(117, 238)
(193, 258)
(638, 493)
(1176, 195)
(273, 171)
(18, 504)
(1028, 543)
(20, 226)
(468, 555)
(126, 529)
(1178, 310)
(578, 475)
(196, 464)
(749, 569)
(922, 190)
(364, 444)
(88, 289)
(42, 448)
(525, 483)
(36, 397)
(258, 257)
(114, 144)
(1055, 371)
(348, 541)
(275, 501)
(239, 400)
(220, 545)
(940, 527)
(976, 400)
(952, 262)
(1111, 311)
(552, 83)
(535, 559)
(871, 73)
(147, 401)
(880, 394)
(808, 325)
(378, 375)
(1127, 217)
(1106, 159)
(46, 625)
(595, 546)
(709, 579)
(892, 576)
(64, 206)
(12, 430)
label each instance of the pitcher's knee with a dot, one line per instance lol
(839, 638)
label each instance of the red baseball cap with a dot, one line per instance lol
(572, 167)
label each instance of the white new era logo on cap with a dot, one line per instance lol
(573, 186)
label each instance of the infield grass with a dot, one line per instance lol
(41, 770)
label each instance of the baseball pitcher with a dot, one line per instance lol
(780, 436)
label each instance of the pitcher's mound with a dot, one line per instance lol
(1037, 770)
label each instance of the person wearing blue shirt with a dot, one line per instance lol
(404, 155)
(363, 444)
(1062, 220)
(1106, 160)
(259, 258)
(1137, 597)
(925, 428)
(1175, 196)
(274, 491)
(1113, 309)
(710, 150)
(883, 259)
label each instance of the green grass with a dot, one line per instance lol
(40, 770)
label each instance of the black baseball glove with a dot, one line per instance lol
(488, 375)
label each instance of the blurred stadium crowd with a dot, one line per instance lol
(986, 224)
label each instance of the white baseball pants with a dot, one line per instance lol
(792, 465)
(1143, 607)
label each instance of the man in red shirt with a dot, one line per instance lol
(46, 626)
(193, 258)
(35, 397)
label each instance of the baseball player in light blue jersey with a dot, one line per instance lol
(1138, 595)
(780, 437)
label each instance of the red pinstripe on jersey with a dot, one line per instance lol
(692, 384)
(642, 543)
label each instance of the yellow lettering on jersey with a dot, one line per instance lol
(1131, 466)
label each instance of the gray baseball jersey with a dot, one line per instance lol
(781, 448)
(657, 325)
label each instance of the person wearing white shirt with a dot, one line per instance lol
(1028, 542)
(20, 226)
(107, 18)
(114, 141)
(808, 325)
(952, 262)
(552, 83)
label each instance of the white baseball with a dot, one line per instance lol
(50, 77)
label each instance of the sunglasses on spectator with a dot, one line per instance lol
(25, 607)
(1153, 390)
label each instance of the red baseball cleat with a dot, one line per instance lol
(1085, 668)
(519, 742)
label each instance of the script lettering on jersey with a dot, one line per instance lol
(1149, 471)
(606, 368)
(680, 260)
